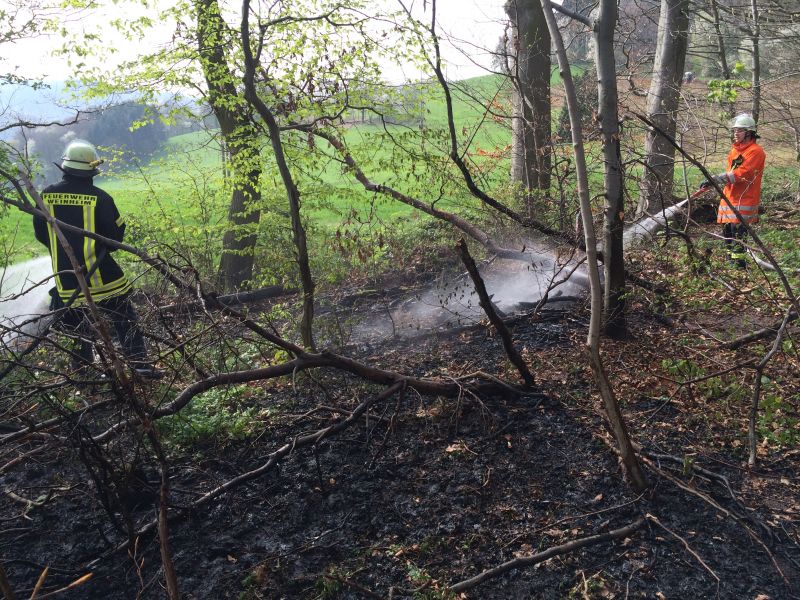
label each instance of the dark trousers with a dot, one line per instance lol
(735, 234)
(120, 312)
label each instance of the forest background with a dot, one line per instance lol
(273, 150)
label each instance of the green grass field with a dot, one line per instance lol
(178, 195)
(178, 183)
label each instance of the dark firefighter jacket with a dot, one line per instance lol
(75, 200)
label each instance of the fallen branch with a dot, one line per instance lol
(36, 427)
(23, 457)
(758, 335)
(527, 561)
(272, 291)
(306, 361)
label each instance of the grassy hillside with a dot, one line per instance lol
(182, 184)
(178, 196)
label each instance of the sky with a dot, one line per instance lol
(475, 25)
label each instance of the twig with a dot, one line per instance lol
(705, 497)
(80, 581)
(39, 583)
(575, 518)
(170, 576)
(354, 585)
(5, 586)
(23, 457)
(686, 545)
(526, 561)
(698, 469)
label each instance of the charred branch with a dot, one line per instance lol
(488, 307)
(533, 559)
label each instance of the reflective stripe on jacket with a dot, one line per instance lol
(75, 200)
(746, 165)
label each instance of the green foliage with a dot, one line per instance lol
(428, 588)
(778, 419)
(683, 368)
(590, 588)
(328, 585)
(726, 91)
(214, 417)
(783, 243)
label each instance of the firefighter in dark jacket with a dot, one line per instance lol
(77, 201)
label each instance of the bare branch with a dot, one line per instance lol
(486, 303)
(574, 15)
(527, 561)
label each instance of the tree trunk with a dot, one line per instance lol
(662, 105)
(721, 50)
(614, 210)
(613, 413)
(530, 146)
(240, 138)
(239, 241)
(292, 193)
(755, 38)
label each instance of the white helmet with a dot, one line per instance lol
(744, 121)
(80, 158)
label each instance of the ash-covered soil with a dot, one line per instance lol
(420, 494)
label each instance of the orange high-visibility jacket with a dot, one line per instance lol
(745, 168)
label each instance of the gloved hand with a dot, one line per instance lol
(721, 180)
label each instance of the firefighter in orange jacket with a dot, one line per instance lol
(742, 183)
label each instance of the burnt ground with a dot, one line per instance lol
(424, 492)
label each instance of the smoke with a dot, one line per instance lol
(513, 285)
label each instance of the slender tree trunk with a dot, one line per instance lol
(721, 50)
(613, 413)
(240, 139)
(292, 193)
(530, 146)
(755, 38)
(663, 101)
(614, 209)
